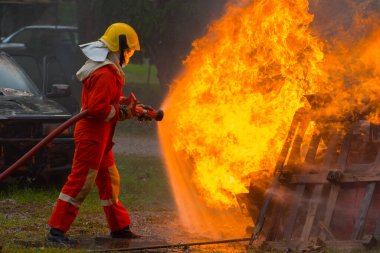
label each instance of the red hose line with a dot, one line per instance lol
(41, 144)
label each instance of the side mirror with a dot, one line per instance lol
(59, 90)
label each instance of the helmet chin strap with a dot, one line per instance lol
(122, 59)
(123, 46)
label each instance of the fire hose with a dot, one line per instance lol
(138, 110)
(42, 144)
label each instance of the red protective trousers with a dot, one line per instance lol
(93, 159)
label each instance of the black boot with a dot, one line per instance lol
(58, 237)
(125, 233)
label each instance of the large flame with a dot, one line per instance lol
(352, 72)
(228, 113)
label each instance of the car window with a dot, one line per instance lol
(42, 40)
(31, 67)
(76, 37)
(37, 38)
(13, 77)
(55, 73)
(22, 36)
(64, 37)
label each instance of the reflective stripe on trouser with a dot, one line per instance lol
(80, 183)
(108, 182)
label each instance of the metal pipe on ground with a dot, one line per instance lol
(41, 144)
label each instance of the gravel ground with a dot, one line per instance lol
(148, 146)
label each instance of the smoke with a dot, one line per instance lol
(343, 19)
(350, 31)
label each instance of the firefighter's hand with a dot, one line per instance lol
(141, 112)
(125, 112)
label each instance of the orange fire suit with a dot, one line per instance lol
(93, 159)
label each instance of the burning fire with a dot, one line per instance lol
(228, 114)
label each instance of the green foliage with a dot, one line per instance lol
(138, 74)
(67, 13)
(149, 93)
(169, 20)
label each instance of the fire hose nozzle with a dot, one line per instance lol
(159, 115)
(143, 112)
(148, 112)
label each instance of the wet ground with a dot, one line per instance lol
(140, 245)
(161, 227)
(157, 229)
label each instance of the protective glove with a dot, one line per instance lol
(125, 112)
(143, 116)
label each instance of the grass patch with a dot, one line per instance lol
(26, 195)
(142, 74)
(24, 212)
(147, 90)
(144, 183)
(15, 248)
(152, 96)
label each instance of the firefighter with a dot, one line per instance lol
(102, 78)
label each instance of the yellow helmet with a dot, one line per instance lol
(120, 36)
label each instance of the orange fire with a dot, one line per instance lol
(228, 114)
(353, 80)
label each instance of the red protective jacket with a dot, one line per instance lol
(100, 96)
